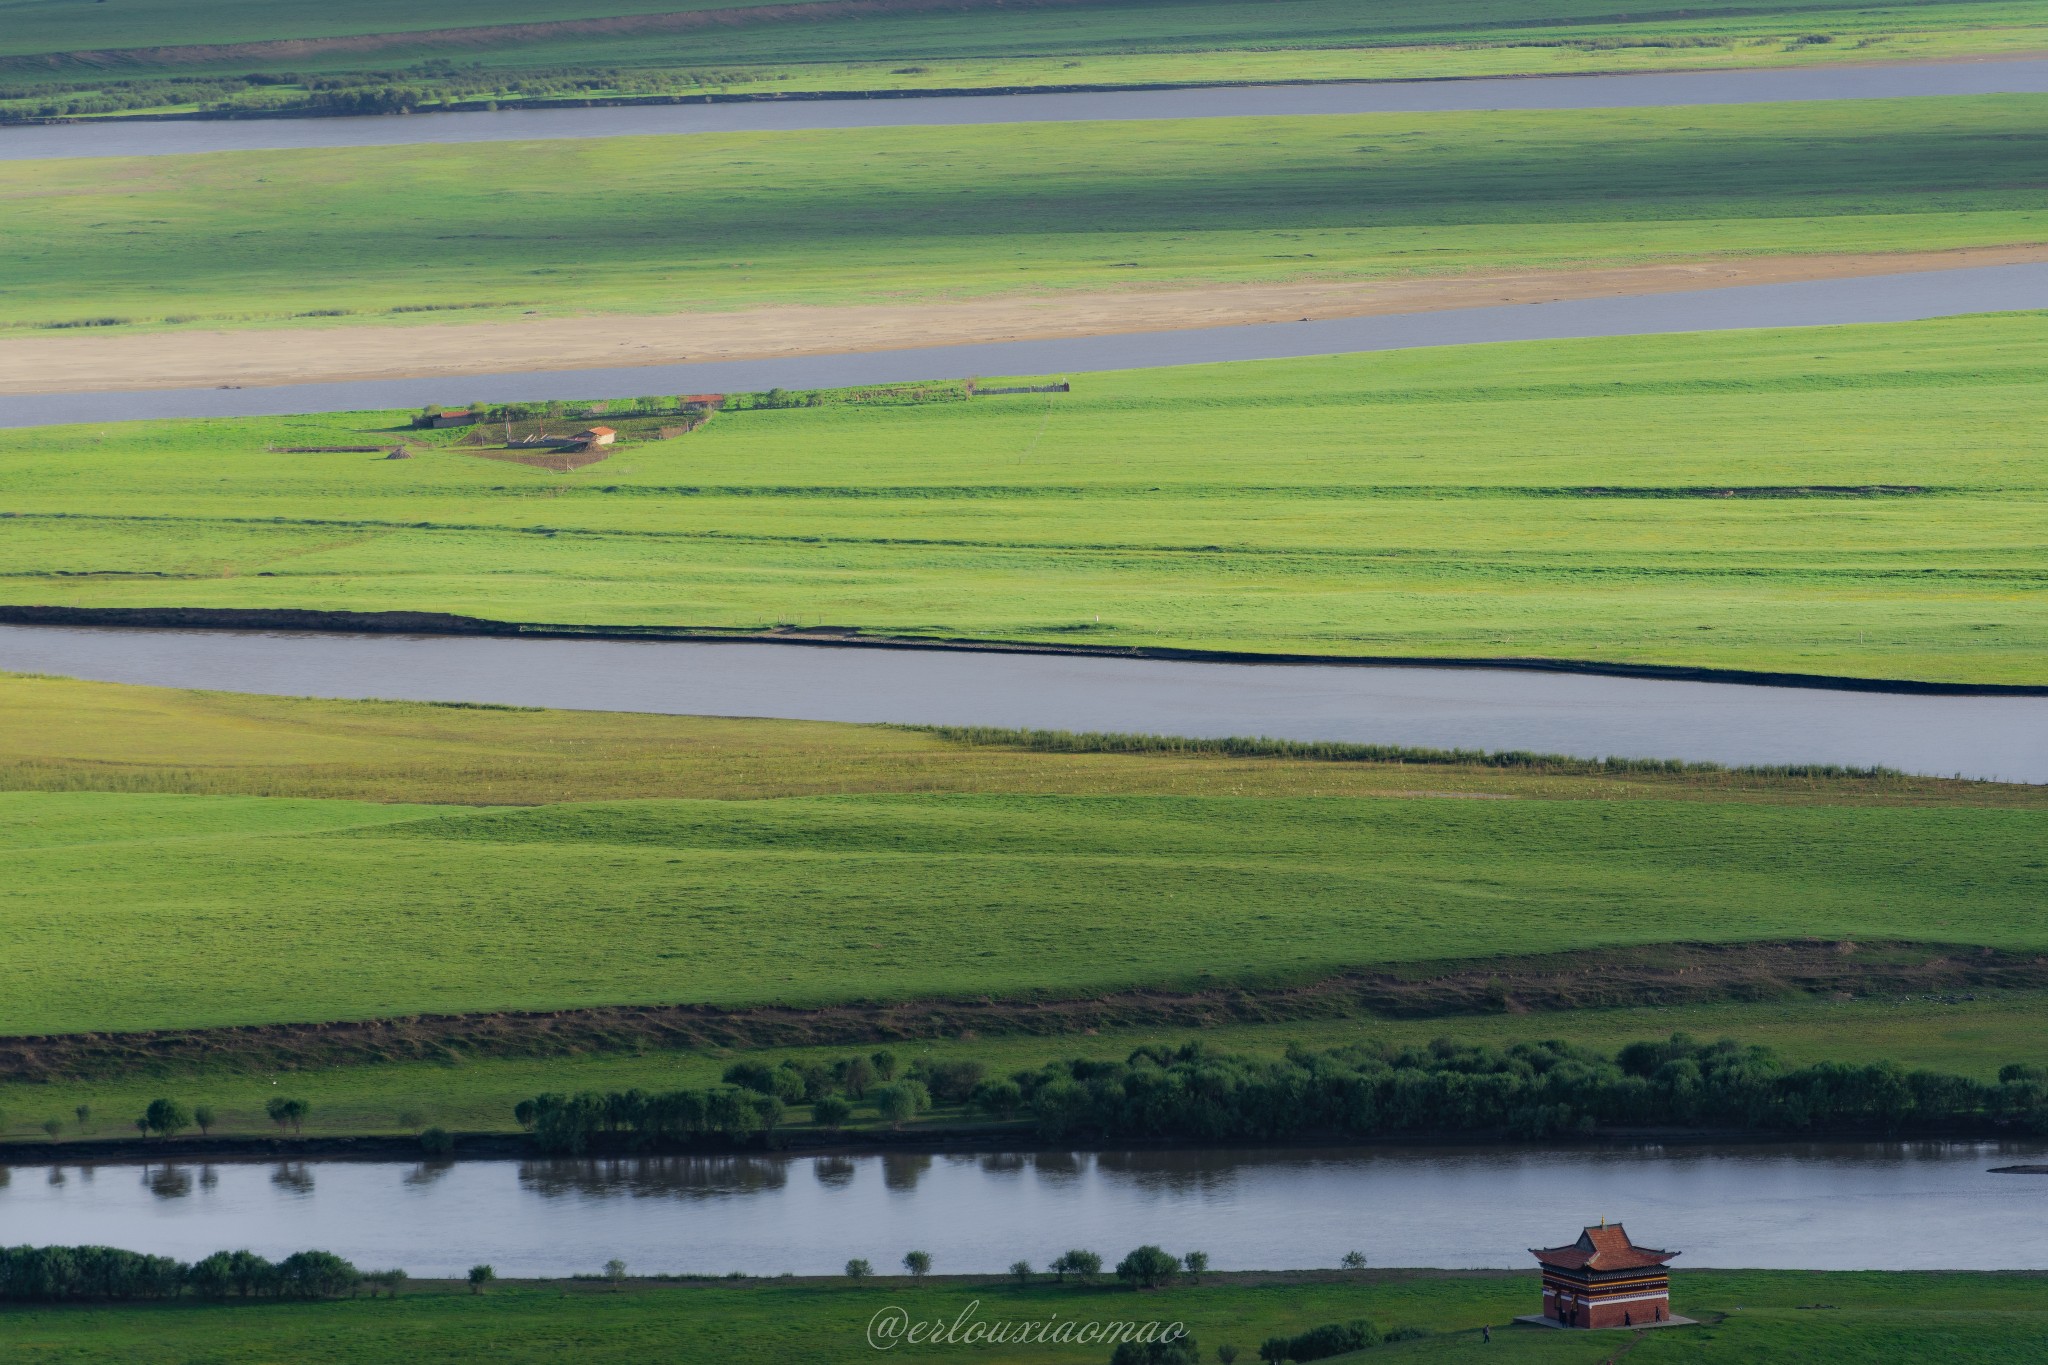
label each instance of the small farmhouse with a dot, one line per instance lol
(597, 436)
(1605, 1280)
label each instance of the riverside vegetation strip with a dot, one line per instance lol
(1855, 1318)
(1567, 500)
(718, 221)
(370, 56)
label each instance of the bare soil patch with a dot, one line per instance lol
(92, 360)
(1662, 974)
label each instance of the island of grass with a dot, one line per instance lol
(1854, 502)
(62, 60)
(1744, 1315)
(337, 237)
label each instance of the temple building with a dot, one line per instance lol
(1605, 1280)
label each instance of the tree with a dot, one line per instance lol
(286, 1113)
(1196, 1262)
(831, 1112)
(858, 1269)
(53, 1127)
(436, 1142)
(918, 1263)
(1082, 1265)
(527, 1112)
(1000, 1099)
(1181, 1350)
(142, 1125)
(1148, 1267)
(854, 1076)
(316, 1275)
(202, 1115)
(84, 1113)
(1273, 1350)
(1226, 1354)
(167, 1117)
(884, 1064)
(770, 1110)
(902, 1102)
(615, 1271)
(479, 1276)
(1353, 1260)
(387, 1280)
(1020, 1271)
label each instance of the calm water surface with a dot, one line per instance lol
(1862, 1206)
(2020, 76)
(1812, 303)
(1582, 714)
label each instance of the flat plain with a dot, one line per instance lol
(1858, 501)
(339, 236)
(1845, 1318)
(60, 59)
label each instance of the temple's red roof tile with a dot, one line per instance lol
(1606, 1247)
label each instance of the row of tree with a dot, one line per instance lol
(51, 1274)
(1190, 1094)
(1529, 1090)
(168, 1117)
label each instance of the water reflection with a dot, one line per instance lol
(295, 1176)
(56, 1175)
(901, 1170)
(208, 1177)
(684, 1177)
(835, 1172)
(167, 1182)
(1003, 1163)
(428, 1172)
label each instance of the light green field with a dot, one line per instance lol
(796, 48)
(131, 912)
(1408, 503)
(658, 224)
(1869, 1318)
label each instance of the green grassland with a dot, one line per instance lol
(1513, 500)
(1869, 1318)
(798, 48)
(127, 912)
(656, 224)
(57, 734)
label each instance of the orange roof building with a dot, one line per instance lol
(1605, 1280)
(597, 436)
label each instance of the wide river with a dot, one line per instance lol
(1812, 303)
(2000, 737)
(2017, 76)
(1799, 1206)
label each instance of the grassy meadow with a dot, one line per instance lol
(337, 236)
(146, 909)
(196, 876)
(64, 59)
(1866, 1318)
(1563, 499)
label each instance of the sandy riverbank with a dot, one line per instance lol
(79, 362)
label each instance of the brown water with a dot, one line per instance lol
(1803, 1206)
(2017, 76)
(1483, 708)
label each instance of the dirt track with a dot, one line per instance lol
(82, 361)
(1663, 974)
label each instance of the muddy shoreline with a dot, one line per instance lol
(1007, 1139)
(1663, 974)
(272, 620)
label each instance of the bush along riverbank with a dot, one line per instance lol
(108, 1274)
(1530, 1092)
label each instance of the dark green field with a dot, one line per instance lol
(1747, 1317)
(59, 58)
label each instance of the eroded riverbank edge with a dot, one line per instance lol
(1657, 974)
(294, 620)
